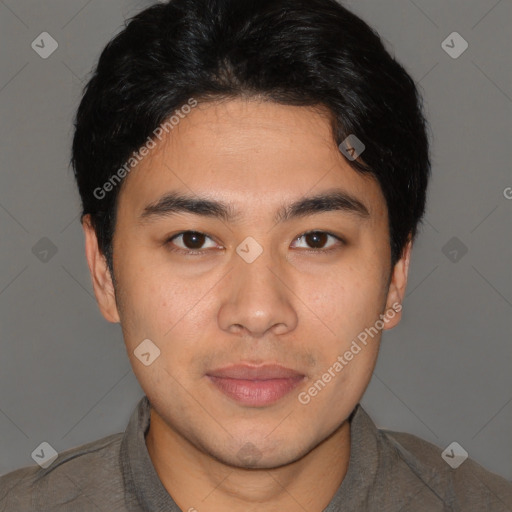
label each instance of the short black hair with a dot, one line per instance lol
(294, 52)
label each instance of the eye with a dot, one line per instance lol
(317, 240)
(191, 242)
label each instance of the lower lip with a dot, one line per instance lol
(256, 392)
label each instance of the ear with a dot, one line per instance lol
(396, 292)
(100, 274)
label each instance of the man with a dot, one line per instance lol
(252, 177)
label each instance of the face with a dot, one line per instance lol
(238, 275)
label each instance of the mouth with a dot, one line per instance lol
(255, 386)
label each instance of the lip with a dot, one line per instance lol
(255, 386)
(262, 372)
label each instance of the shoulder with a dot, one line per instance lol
(467, 486)
(76, 477)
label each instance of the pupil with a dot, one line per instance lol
(193, 240)
(316, 239)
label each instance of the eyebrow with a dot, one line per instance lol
(334, 200)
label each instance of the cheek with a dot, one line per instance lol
(175, 314)
(332, 394)
(347, 301)
(154, 298)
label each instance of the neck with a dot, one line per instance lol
(199, 482)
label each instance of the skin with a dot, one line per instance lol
(291, 306)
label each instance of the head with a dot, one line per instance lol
(225, 118)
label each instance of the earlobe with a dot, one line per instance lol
(396, 292)
(100, 274)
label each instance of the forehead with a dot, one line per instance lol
(252, 154)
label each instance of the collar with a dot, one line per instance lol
(144, 488)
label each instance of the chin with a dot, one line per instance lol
(251, 455)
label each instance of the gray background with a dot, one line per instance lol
(444, 373)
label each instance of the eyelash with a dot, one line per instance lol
(200, 252)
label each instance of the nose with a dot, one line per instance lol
(258, 300)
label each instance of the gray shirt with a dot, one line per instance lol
(387, 472)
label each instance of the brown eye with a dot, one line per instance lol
(192, 241)
(318, 240)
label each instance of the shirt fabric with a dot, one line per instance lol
(387, 472)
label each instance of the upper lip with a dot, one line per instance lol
(265, 372)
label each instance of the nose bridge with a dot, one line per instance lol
(257, 299)
(258, 277)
